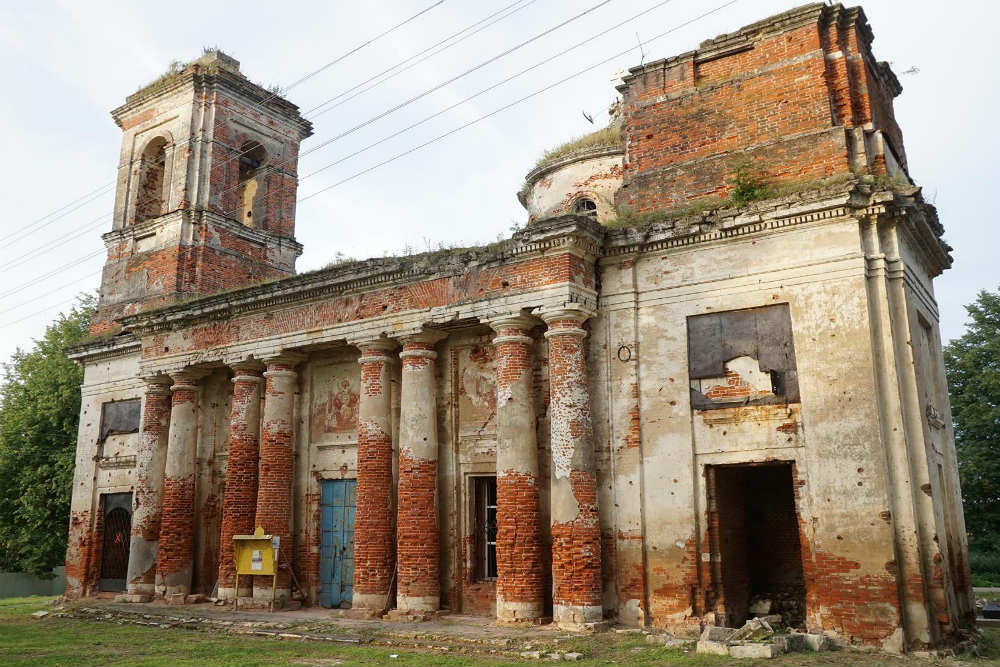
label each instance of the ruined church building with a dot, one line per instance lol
(650, 406)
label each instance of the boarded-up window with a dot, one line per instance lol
(119, 417)
(742, 357)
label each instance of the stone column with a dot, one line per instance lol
(176, 553)
(151, 456)
(374, 537)
(239, 505)
(576, 527)
(520, 580)
(417, 540)
(277, 468)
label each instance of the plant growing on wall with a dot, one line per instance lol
(39, 414)
(747, 185)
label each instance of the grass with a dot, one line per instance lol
(753, 191)
(25, 640)
(609, 137)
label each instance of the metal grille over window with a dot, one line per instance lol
(485, 495)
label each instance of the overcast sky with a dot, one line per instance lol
(67, 64)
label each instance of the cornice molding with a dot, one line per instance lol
(575, 234)
(119, 346)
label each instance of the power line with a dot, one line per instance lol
(487, 89)
(455, 78)
(21, 259)
(515, 102)
(416, 58)
(99, 221)
(52, 272)
(101, 191)
(475, 121)
(474, 68)
(53, 290)
(30, 230)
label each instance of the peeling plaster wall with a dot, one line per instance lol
(553, 190)
(842, 501)
(210, 477)
(99, 470)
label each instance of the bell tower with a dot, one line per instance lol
(206, 189)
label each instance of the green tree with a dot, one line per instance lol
(39, 414)
(973, 365)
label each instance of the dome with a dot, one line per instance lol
(580, 176)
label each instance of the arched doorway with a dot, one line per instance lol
(115, 544)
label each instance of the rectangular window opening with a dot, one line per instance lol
(119, 417)
(484, 506)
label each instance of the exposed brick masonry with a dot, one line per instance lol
(779, 97)
(239, 504)
(277, 468)
(176, 551)
(520, 576)
(148, 490)
(417, 533)
(576, 530)
(374, 537)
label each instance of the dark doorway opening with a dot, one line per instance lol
(757, 543)
(115, 546)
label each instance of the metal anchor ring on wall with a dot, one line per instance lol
(624, 353)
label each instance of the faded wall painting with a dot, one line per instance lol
(334, 411)
(477, 391)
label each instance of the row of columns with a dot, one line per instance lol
(163, 529)
(161, 553)
(415, 546)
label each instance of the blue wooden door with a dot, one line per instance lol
(336, 569)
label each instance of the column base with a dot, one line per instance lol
(418, 603)
(579, 618)
(412, 615)
(137, 598)
(369, 601)
(516, 613)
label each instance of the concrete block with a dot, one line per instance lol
(711, 647)
(717, 633)
(753, 630)
(754, 650)
(790, 643)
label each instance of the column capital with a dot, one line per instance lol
(249, 370)
(284, 357)
(374, 348)
(519, 321)
(567, 312)
(187, 378)
(425, 337)
(247, 366)
(157, 384)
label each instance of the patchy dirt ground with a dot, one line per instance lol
(102, 633)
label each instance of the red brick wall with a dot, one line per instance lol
(780, 105)
(240, 499)
(474, 284)
(177, 527)
(374, 539)
(520, 576)
(418, 569)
